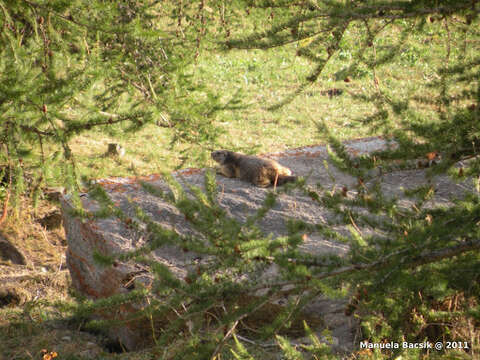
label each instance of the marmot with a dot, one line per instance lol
(259, 171)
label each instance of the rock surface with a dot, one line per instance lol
(239, 199)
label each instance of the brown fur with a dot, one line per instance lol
(259, 171)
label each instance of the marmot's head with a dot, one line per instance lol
(220, 156)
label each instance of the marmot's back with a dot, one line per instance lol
(259, 171)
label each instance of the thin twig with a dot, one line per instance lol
(353, 223)
(272, 344)
(225, 338)
(275, 182)
(239, 318)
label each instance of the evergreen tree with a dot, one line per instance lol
(425, 257)
(66, 67)
(71, 66)
(431, 255)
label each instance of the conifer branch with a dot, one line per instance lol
(230, 332)
(421, 259)
(347, 15)
(39, 132)
(114, 119)
(67, 18)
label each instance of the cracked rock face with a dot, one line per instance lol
(110, 236)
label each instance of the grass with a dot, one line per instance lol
(260, 78)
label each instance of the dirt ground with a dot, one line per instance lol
(35, 289)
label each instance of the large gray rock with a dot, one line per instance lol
(239, 199)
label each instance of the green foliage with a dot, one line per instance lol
(424, 256)
(382, 268)
(320, 31)
(219, 286)
(69, 67)
(240, 353)
(290, 352)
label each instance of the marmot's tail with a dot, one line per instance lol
(282, 179)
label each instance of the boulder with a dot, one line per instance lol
(110, 236)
